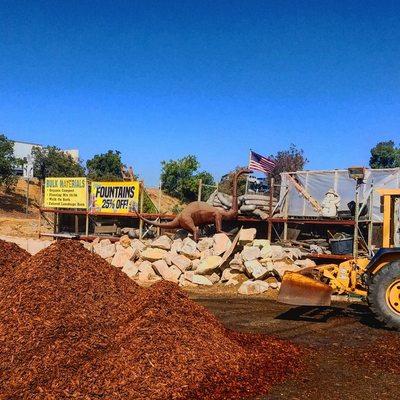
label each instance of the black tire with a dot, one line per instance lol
(377, 295)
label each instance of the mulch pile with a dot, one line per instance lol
(72, 326)
(11, 255)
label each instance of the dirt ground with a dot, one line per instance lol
(330, 336)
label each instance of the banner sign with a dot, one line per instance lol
(65, 193)
(114, 197)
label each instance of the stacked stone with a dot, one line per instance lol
(249, 204)
(252, 265)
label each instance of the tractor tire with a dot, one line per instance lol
(384, 295)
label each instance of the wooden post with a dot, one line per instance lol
(286, 211)
(271, 197)
(40, 208)
(247, 178)
(159, 207)
(141, 210)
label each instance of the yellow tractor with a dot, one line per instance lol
(377, 279)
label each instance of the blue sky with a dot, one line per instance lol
(162, 79)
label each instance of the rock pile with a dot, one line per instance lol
(74, 327)
(254, 265)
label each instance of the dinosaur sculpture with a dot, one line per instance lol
(200, 213)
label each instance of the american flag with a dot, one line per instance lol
(260, 163)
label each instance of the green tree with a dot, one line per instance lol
(106, 166)
(290, 160)
(385, 155)
(180, 178)
(7, 162)
(51, 161)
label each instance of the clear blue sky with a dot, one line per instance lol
(162, 79)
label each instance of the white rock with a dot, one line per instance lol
(293, 252)
(201, 280)
(255, 269)
(250, 253)
(253, 287)
(221, 243)
(122, 256)
(104, 249)
(130, 268)
(185, 283)
(281, 267)
(277, 252)
(145, 269)
(137, 244)
(214, 278)
(182, 262)
(228, 274)
(266, 252)
(305, 263)
(205, 244)
(153, 254)
(247, 235)
(163, 242)
(261, 243)
(206, 253)
(87, 245)
(208, 264)
(177, 245)
(171, 273)
(189, 248)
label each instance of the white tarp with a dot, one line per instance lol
(317, 183)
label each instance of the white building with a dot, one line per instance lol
(23, 150)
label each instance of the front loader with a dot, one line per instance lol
(377, 279)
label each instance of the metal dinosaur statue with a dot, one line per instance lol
(200, 213)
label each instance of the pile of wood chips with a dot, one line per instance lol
(72, 326)
(11, 255)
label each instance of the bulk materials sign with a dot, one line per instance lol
(65, 193)
(114, 197)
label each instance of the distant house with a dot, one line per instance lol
(23, 150)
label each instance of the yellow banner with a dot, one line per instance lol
(114, 197)
(65, 193)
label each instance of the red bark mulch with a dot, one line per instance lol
(74, 327)
(11, 255)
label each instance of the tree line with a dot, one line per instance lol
(180, 178)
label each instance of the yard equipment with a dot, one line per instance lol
(377, 279)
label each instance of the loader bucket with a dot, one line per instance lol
(301, 290)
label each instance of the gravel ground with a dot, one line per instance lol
(336, 336)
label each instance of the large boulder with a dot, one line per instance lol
(208, 264)
(221, 243)
(163, 242)
(171, 273)
(255, 269)
(153, 254)
(253, 287)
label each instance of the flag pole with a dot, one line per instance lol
(247, 179)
